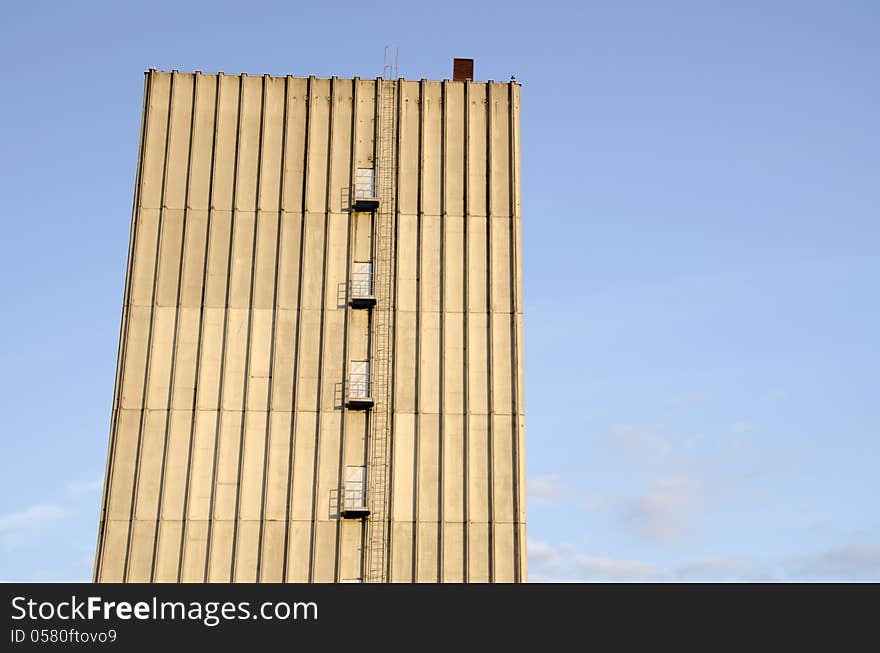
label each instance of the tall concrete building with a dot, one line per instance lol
(320, 371)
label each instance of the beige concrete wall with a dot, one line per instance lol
(228, 432)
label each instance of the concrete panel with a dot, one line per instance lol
(265, 259)
(453, 552)
(453, 363)
(366, 107)
(282, 372)
(477, 268)
(241, 271)
(328, 466)
(477, 362)
(194, 253)
(177, 167)
(408, 160)
(405, 362)
(429, 363)
(351, 549)
(112, 562)
(428, 563)
(168, 550)
(208, 394)
(140, 557)
(169, 257)
(431, 270)
(192, 568)
(121, 474)
(225, 148)
(324, 552)
(247, 550)
(289, 260)
(401, 552)
(232, 393)
(502, 379)
(201, 474)
(295, 145)
(500, 149)
(432, 137)
(220, 554)
(149, 474)
(183, 392)
(303, 467)
(332, 364)
(272, 553)
(313, 265)
(478, 552)
(362, 233)
(476, 150)
(259, 361)
(340, 166)
(217, 278)
(226, 485)
(307, 367)
(202, 142)
(156, 128)
(355, 451)
(455, 120)
(402, 489)
(319, 146)
(478, 468)
(501, 300)
(143, 265)
(278, 466)
(176, 465)
(429, 467)
(253, 466)
(272, 144)
(299, 546)
(502, 468)
(453, 264)
(503, 558)
(161, 354)
(453, 468)
(248, 144)
(137, 339)
(359, 335)
(407, 262)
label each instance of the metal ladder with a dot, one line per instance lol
(382, 337)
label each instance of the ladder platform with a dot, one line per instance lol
(355, 512)
(362, 301)
(359, 403)
(365, 203)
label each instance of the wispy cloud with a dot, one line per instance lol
(604, 568)
(720, 569)
(642, 440)
(29, 517)
(549, 488)
(856, 562)
(664, 513)
(79, 488)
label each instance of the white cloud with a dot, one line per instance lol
(549, 488)
(604, 568)
(28, 517)
(641, 440)
(719, 569)
(541, 555)
(856, 562)
(664, 513)
(79, 488)
(743, 427)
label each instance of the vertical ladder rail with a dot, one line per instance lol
(376, 563)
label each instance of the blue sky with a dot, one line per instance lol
(701, 235)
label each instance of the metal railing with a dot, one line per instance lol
(359, 385)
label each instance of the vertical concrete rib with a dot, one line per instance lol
(514, 349)
(465, 353)
(346, 329)
(299, 294)
(417, 457)
(490, 411)
(248, 336)
(199, 341)
(176, 328)
(123, 330)
(322, 320)
(225, 332)
(150, 340)
(272, 353)
(441, 461)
